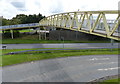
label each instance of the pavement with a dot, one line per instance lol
(68, 69)
(60, 45)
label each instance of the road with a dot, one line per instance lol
(68, 69)
(66, 45)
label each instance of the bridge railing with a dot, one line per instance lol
(18, 26)
(92, 22)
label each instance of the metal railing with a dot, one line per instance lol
(19, 26)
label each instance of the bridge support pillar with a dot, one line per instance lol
(45, 34)
(39, 34)
(12, 34)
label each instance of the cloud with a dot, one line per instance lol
(7, 10)
(19, 5)
(56, 7)
(10, 8)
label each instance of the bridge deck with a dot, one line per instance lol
(20, 26)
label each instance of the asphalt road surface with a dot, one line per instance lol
(69, 69)
(66, 45)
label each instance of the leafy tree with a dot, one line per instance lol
(4, 21)
(33, 18)
(23, 19)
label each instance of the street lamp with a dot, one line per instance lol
(62, 38)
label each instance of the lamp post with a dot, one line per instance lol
(112, 42)
(62, 38)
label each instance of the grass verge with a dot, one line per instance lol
(30, 39)
(26, 30)
(112, 81)
(40, 55)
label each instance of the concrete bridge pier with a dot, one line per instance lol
(12, 36)
(42, 34)
(39, 34)
(45, 34)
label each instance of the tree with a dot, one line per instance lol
(4, 22)
(23, 19)
(33, 18)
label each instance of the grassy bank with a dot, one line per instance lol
(40, 55)
(34, 39)
(112, 81)
(26, 30)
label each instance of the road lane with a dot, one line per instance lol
(68, 69)
(60, 45)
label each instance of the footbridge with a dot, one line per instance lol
(91, 22)
(19, 26)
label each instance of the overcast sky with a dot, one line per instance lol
(10, 8)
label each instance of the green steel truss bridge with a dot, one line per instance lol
(91, 22)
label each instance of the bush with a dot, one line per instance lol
(7, 34)
(16, 33)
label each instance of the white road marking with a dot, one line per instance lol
(32, 62)
(109, 63)
(99, 59)
(108, 69)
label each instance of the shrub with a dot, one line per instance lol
(7, 34)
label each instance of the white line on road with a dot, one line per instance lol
(99, 59)
(109, 63)
(108, 69)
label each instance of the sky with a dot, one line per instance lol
(10, 8)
